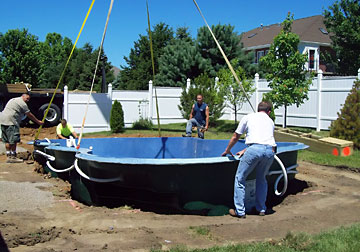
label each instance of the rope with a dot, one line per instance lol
(153, 69)
(93, 80)
(59, 171)
(63, 72)
(223, 54)
(98, 180)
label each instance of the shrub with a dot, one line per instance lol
(142, 123)
(347, 125)
(117, 118)
(212, 97)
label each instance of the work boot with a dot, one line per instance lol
(8, 159)
(14, 159)
(186, 135)
(233, 213)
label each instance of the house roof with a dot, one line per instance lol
(310, 29)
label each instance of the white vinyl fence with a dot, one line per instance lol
(326, 97)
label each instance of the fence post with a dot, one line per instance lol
(150, 98)
(110, 92)
(256, 89)
(66, 102)
(188, 82)
(359, 73)
(319, 87)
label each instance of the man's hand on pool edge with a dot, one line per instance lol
(226, 152)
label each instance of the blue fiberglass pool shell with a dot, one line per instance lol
(166, 172)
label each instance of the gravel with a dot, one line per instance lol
(23, 196)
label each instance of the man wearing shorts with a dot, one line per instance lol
(10, 120)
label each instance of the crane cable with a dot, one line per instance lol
(153, 69)
(223, 54)
(93, 80)
(63, 72)
(242, 88)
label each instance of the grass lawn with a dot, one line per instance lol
(352, 162)
(340, 239)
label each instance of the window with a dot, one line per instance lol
(259, 54)
(324, 31)
(311, 59)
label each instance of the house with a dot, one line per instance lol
(314, 40)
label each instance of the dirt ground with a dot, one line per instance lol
(319, 199)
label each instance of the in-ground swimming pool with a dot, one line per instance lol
(163, 172)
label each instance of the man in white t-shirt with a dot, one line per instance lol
(259, 154)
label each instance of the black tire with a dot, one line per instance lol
(54, 115)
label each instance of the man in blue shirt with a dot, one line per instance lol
(199, 117)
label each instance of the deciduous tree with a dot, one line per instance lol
(232, 91)
(342, 20)
(20, 57)
(288, 81)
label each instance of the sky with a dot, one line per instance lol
(129, 19)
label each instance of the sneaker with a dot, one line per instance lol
(233, 214)
(8, 159)
(15, 160)
(256, 212)
(186, 135)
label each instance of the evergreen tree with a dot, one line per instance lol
(138, 72)
(288, 81)
(20, 57)
(179, 61)
(117, 118)
(229, 42)
(82, 69)
(347, 125)
(342, 21)
(212, 97)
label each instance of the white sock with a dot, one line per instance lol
(8, 153)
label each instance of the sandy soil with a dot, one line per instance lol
(319, 199)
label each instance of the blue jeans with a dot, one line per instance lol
(192, 123)
(257, 156)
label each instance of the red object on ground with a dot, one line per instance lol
(346, 151)
(335, 152)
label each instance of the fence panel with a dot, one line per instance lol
(136, 104)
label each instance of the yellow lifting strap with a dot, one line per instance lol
(63, 72)
(93, 80)
(223, 54)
